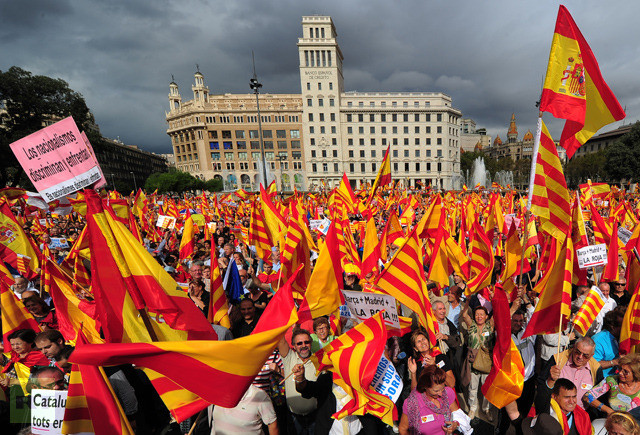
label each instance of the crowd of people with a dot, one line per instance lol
(573, 383)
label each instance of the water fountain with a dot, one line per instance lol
(504, 178)
(479, 173)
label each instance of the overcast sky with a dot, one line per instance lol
(490, 56)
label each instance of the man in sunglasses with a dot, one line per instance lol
(577, 365)
(303, 411)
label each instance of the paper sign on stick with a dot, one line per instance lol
(364, 305)
(56, 160)
(47, 411)
(592, 256)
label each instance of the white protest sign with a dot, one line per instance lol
(591, 256)
(386, 381)
(624, 235)
(344, 311)
(364, 305)
(47, 411)
(56, 160)
(166, 222)
(58, 242)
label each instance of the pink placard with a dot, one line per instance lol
(56, 160)
(103, 181)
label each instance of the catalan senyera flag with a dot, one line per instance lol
(218, 304)
(574, 88)
(15, 246)
(323, 296)
(589, 310)
(555, 291)
(506, 379)
(611, 271)
(439, 266)
(14, 315)
(482, 261)
(92, 406)
(353, 357)
(384, 175)
(512, 257)
(371, 253)
(403, 278)
(550, 199)
(259, 235)
(295, 252)
(228, 366)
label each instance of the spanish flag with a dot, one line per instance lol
(219, 304)
(506, 378)
(574, 88)
(228, 367)
(14, 315)
(16, 248)
(384, 174)
(353, 357)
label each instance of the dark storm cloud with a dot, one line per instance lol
(489, 56)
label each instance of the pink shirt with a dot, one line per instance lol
(580, 376)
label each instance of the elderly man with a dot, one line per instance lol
(48, 378)
(197, 271)
(609, 305)
(620, 293)
(303, 411)
(576, 364)
(448, 336)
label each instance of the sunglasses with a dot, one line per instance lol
(300, 343)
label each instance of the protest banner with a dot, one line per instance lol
(102, 181)
(166, 222)
(47, 411)
(57, 160)
(592, 256)
(364, 305)
(624, 235)
(387, 381)
(58, 243)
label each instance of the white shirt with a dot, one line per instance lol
(609, 305)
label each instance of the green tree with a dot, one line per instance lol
(28, 101)
(173, 182)
(214, 185)
(622, 158)
(590, 166)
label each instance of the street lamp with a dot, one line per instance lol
(134, 180)
(281, 159)
(255, 85)
(439, 160)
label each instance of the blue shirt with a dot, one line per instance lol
(606, 350)
(454, 315)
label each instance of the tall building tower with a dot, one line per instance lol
(512, 134)
(321, 84)
(174, 95)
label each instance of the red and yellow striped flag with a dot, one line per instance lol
(295, 252)
(14, 315)
(550, 199)
(259, 235)
(482, 261)
(353, 357)
(630, 333)
(16, 248)
(384, 175)
(589, 310)
(506, 379)
(218, 304)
(187, 243)
(555, 291)
(91, 399)
(404, 279)
(371, 253)
(228, 366)
(574, 88)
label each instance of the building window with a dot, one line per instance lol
(439, 153)
(314, 167)
(349, 117)
(254, 134)
(332, 116)
(439, 129)
(309, 102)
(256, 156)
(395, 153)
(350, 141)
(282, 144)
(312, 130)
(308, 84)
(360, 117)
(325, 167)
(373, 154)
(350, 154)
(406, 167)
(255, 145)
(333, 129)
(322, 129)
(395, 167)
(322, 117)
(227, 145)
(319, 86)
(295, 144)
(383, 130)
(332, 102)
(428, 153)
(330, 84)
(349, 130)
(361, 141)
(268, 144)
(242, 145)
(239, 134)
(417, 141)
(352, 168)
(313, 154)
(428, 167)
(281, 134)
(405, 117)
(213, 146)
(226, 134)
(439, 117)
(361, 130)
(373, 167)
(406, 141)
(372, 130)
(295, 134)
(417, 153)
(320, 102)
(362, 167)
(324, 154)
(214, 156)
(231, 166)
(372, 117)
(335, 154)
(373, 141)
(335, 167)
(439, 141)
(362, 154)
(296, 155)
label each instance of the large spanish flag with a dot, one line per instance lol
(15, 247)
(574, 88)
(384, 175)
(14, 315)
(217, 371)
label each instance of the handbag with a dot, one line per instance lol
(482, 362)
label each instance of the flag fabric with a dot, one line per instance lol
(228, 367)
(630, 333)
(259, 235)
(232, 283)
(506, 379)
(295, 252)
(574, 88)
(135, 281)
(353, 357)
(555, 291)
(384, 175)
(92, 406)
(323, 296)
(549, 197)
(482, 261)
(371, 252)
(16, 248)
(403, 278)
(187, 243)
(218, 303)
(589, 310)
(14, 315)
(611, 271)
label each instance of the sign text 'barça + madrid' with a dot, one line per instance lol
(57, 160)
